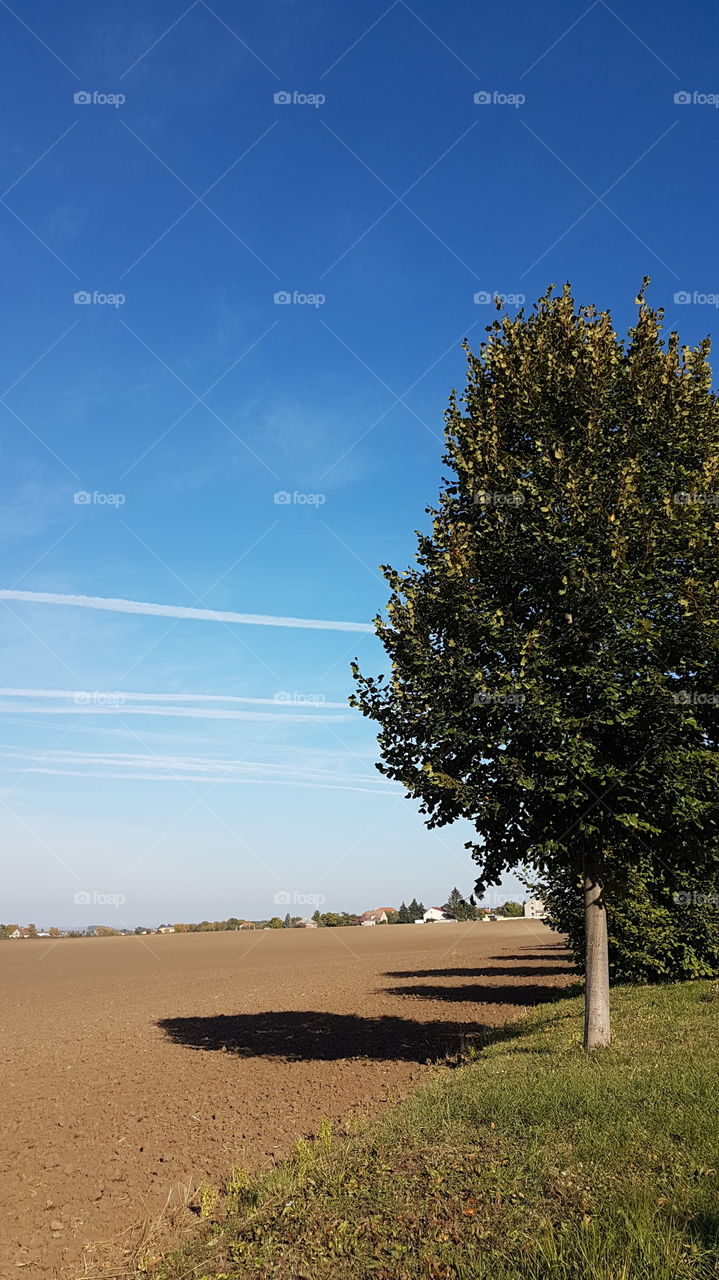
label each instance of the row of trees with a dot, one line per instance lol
(325, 919)
(210, 926)
(664, 927)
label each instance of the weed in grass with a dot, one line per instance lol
(208, 1201)
(324, 1135)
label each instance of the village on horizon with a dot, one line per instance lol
(455, 911)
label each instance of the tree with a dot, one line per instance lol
(288, 921)
(276, 923)
(512, 909)
(454, 903)
(554, 649)
(416, 910)
(403, 916)
(458, 907)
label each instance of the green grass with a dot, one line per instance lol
(534, 1161)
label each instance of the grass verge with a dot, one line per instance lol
(532, 1161)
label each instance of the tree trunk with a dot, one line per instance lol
(597, 1034)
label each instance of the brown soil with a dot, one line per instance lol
(134, 1067)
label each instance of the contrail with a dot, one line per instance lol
(163, 709)
(117, 698)
(180, 611)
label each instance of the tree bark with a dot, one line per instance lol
(597, 1033)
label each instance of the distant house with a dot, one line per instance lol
(535, 909)
(380, 915)
(166, 928)
(18, 933)
(305, 924)
(435, 915)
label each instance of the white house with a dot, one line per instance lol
(436, 915)
(535, 909)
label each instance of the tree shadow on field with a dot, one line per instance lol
(311, 1035)
(550, 968)
(314, 1035)
(495, 971)
(524, 995)
(540, 951)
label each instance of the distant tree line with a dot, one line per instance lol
(456, 905)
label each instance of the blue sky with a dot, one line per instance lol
(149, 367)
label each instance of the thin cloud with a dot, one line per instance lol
(283, 700)
(136, 766)
(112, 605)
(187, 713)
(177, 777)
